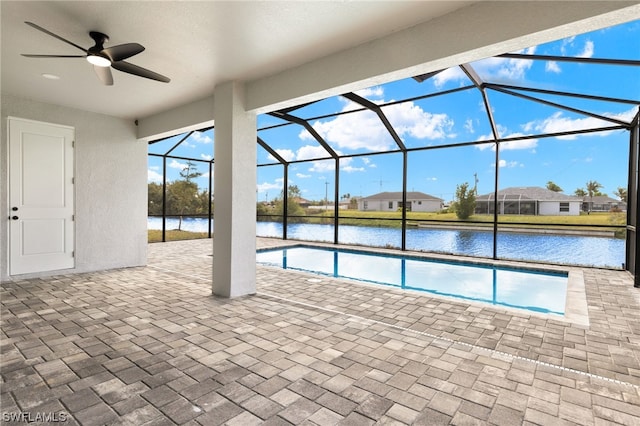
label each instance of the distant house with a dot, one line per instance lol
(302, 202)
(392, 201)
(530, 200)
(602, 203)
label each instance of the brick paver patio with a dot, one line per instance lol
(151, 345)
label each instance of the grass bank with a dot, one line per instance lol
(598, 219)
(583, 222)
(155, 235)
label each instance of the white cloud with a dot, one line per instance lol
(266, 186)
(351, 169)
(508, 164)
(200, 137)
(468, 125)
(624, 116)
(286, 154)
(558, 123)
(153, 176)
(508, 145)
(302, 176)
(345, 165)
(587, 50)
(494, 69)
(207, 157)
(371, 92)
(360, 130)
(519, 144)
(364, 131)
(450, 74)
(409, 119)
(567, 42)
(309, 152)
(552, 66)
(323, 166)
(515, 69)
(367, 162)
(177, 165)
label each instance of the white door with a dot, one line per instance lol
(41, 197)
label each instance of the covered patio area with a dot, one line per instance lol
(151, 345)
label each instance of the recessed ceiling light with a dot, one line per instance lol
(51, 76)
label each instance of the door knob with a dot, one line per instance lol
(14, 217)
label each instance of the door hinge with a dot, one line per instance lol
(73, 181)
(73, 144)
(73, 218)
(73, 254)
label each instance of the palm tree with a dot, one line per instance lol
(593, 187)
(621, 193)
(552, 186)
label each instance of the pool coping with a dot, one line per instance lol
(576, 307)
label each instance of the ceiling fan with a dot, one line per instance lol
(104, 58)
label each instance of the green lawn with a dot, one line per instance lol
(583, 219)
(155, 235)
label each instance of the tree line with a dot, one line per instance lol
(183, 197)
(591, 189)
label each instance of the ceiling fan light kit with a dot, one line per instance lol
(98, 61)
(103, 59)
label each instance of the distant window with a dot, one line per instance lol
(390, 204)
(365, 205)
(419, 203)
(564, 207)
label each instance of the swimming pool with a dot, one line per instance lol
(528, 289)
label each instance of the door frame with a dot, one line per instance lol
(71, 171)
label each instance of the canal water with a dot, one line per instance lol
(564, 249)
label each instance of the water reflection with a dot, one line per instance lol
(465, 241)
(568, 249)
(521, 289)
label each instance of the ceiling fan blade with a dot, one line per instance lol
(52, 56)
(139, 71)
(104, 74)
(38, 27)
(122, 51)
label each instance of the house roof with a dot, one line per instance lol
(533, 193)
(411, 195)
(300, 200)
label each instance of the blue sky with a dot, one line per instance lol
(569, 161)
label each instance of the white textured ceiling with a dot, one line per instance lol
(196, 44)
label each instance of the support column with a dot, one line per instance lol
(234, 242)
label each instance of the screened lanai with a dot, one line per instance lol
(554, 124)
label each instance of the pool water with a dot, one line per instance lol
(531, 290)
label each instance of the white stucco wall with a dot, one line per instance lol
(426, 206)
(383, 205)
(110, 190)
(375, 205)
(553, 208)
